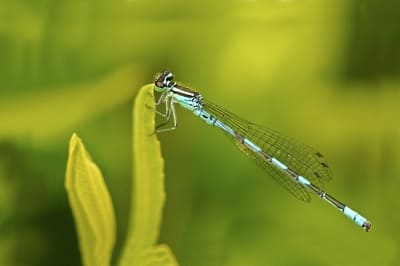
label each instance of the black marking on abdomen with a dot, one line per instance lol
(292, 173)
(266, 156)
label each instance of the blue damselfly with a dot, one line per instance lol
(297, 167)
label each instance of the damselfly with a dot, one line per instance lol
(298, 168)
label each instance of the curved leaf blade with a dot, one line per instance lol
(148, 196)
(91, 206)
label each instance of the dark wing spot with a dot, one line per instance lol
(324, 165)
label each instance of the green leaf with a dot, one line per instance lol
(148, 196)
(91, 206)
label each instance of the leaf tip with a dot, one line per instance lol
(74, 139)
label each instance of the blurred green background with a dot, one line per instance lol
(324, 72)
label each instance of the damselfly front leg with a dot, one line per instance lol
(169, 110)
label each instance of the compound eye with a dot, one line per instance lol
(168, 76)
(159, 84)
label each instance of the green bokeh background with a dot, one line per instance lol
(324, 72)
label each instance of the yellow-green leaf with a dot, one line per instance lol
(148, 196)
(160, 255)
(91, 206)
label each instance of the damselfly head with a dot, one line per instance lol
(164, 80)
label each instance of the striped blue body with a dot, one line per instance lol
(297, 167)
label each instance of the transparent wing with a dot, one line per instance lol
(300, 158)
(278, 175)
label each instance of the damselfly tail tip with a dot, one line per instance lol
(357, 218)
(366, 225)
